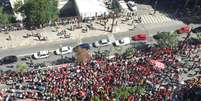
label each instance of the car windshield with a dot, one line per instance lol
(38, 53)
(41, 54)
(121, 41)
(63, 50)
(60, 49)
(103, 41)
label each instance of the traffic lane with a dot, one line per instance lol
(48, 61)
(28, 50)
(52, 59)
(91, 40)
(52, 46)
(143, 29)
(23, 51)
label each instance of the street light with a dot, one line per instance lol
(62, 60)
(113, 18)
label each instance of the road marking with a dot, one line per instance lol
(151, 19)
(29, 54)
(22, 55)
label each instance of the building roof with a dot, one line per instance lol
(91, 8)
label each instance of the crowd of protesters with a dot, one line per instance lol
(102, 77)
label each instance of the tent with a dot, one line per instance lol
(91, 8)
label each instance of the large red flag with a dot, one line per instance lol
(157, 64)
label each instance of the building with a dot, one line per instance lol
(82, 8)
(90, 8)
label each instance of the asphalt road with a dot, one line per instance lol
(28, 50)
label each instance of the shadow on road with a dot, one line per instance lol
(64, 60)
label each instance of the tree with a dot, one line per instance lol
(4, 18)
(82, 55)
(167, 39)
(21, 68)
(195, 40)
(198, 36)
(95, 98)
(18, 6)
(128, 53)
(124, 92)
(39, 12)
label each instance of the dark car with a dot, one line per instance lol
(8, 60)
(84, 45)
(196, 30)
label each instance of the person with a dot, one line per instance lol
(9, 37)
(139, 19)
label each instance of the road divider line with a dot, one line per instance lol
(22, 55)
(29, 54)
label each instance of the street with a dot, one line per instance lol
(28, 51)
(23, 51)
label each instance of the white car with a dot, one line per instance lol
(132, 5)
(41, 54)
(124, 41)
(64, 50)
(101, 43)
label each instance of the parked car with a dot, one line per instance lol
(139, 37)
(85, 45)
(64, 50)
(8, 59)
(184, 29)
(197, 30)
(101, 43)
(41, 54)
(132, 5)
(124, 41)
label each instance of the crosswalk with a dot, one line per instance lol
(156, 19)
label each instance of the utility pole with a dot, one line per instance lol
(155, 4)
(113, 18)
(62, 58)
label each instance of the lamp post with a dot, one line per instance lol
(155, 4)
(62, 60)
(113, 18)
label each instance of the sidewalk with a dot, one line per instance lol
(17, 39)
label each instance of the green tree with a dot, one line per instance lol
(140, 90)
(82, 55)
(39, 12)
(198, 36)
(124, 92)
(21, 68)
(195, 39)
(128, 53)
(18, 6)
(4, 18)
(95, 98)
(167, 39)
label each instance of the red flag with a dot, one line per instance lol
(157, 64)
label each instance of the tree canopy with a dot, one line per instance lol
(167, 39)
(124, 92)
(21, 68)
(39, 12)
(4, 18)
(82, 55)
